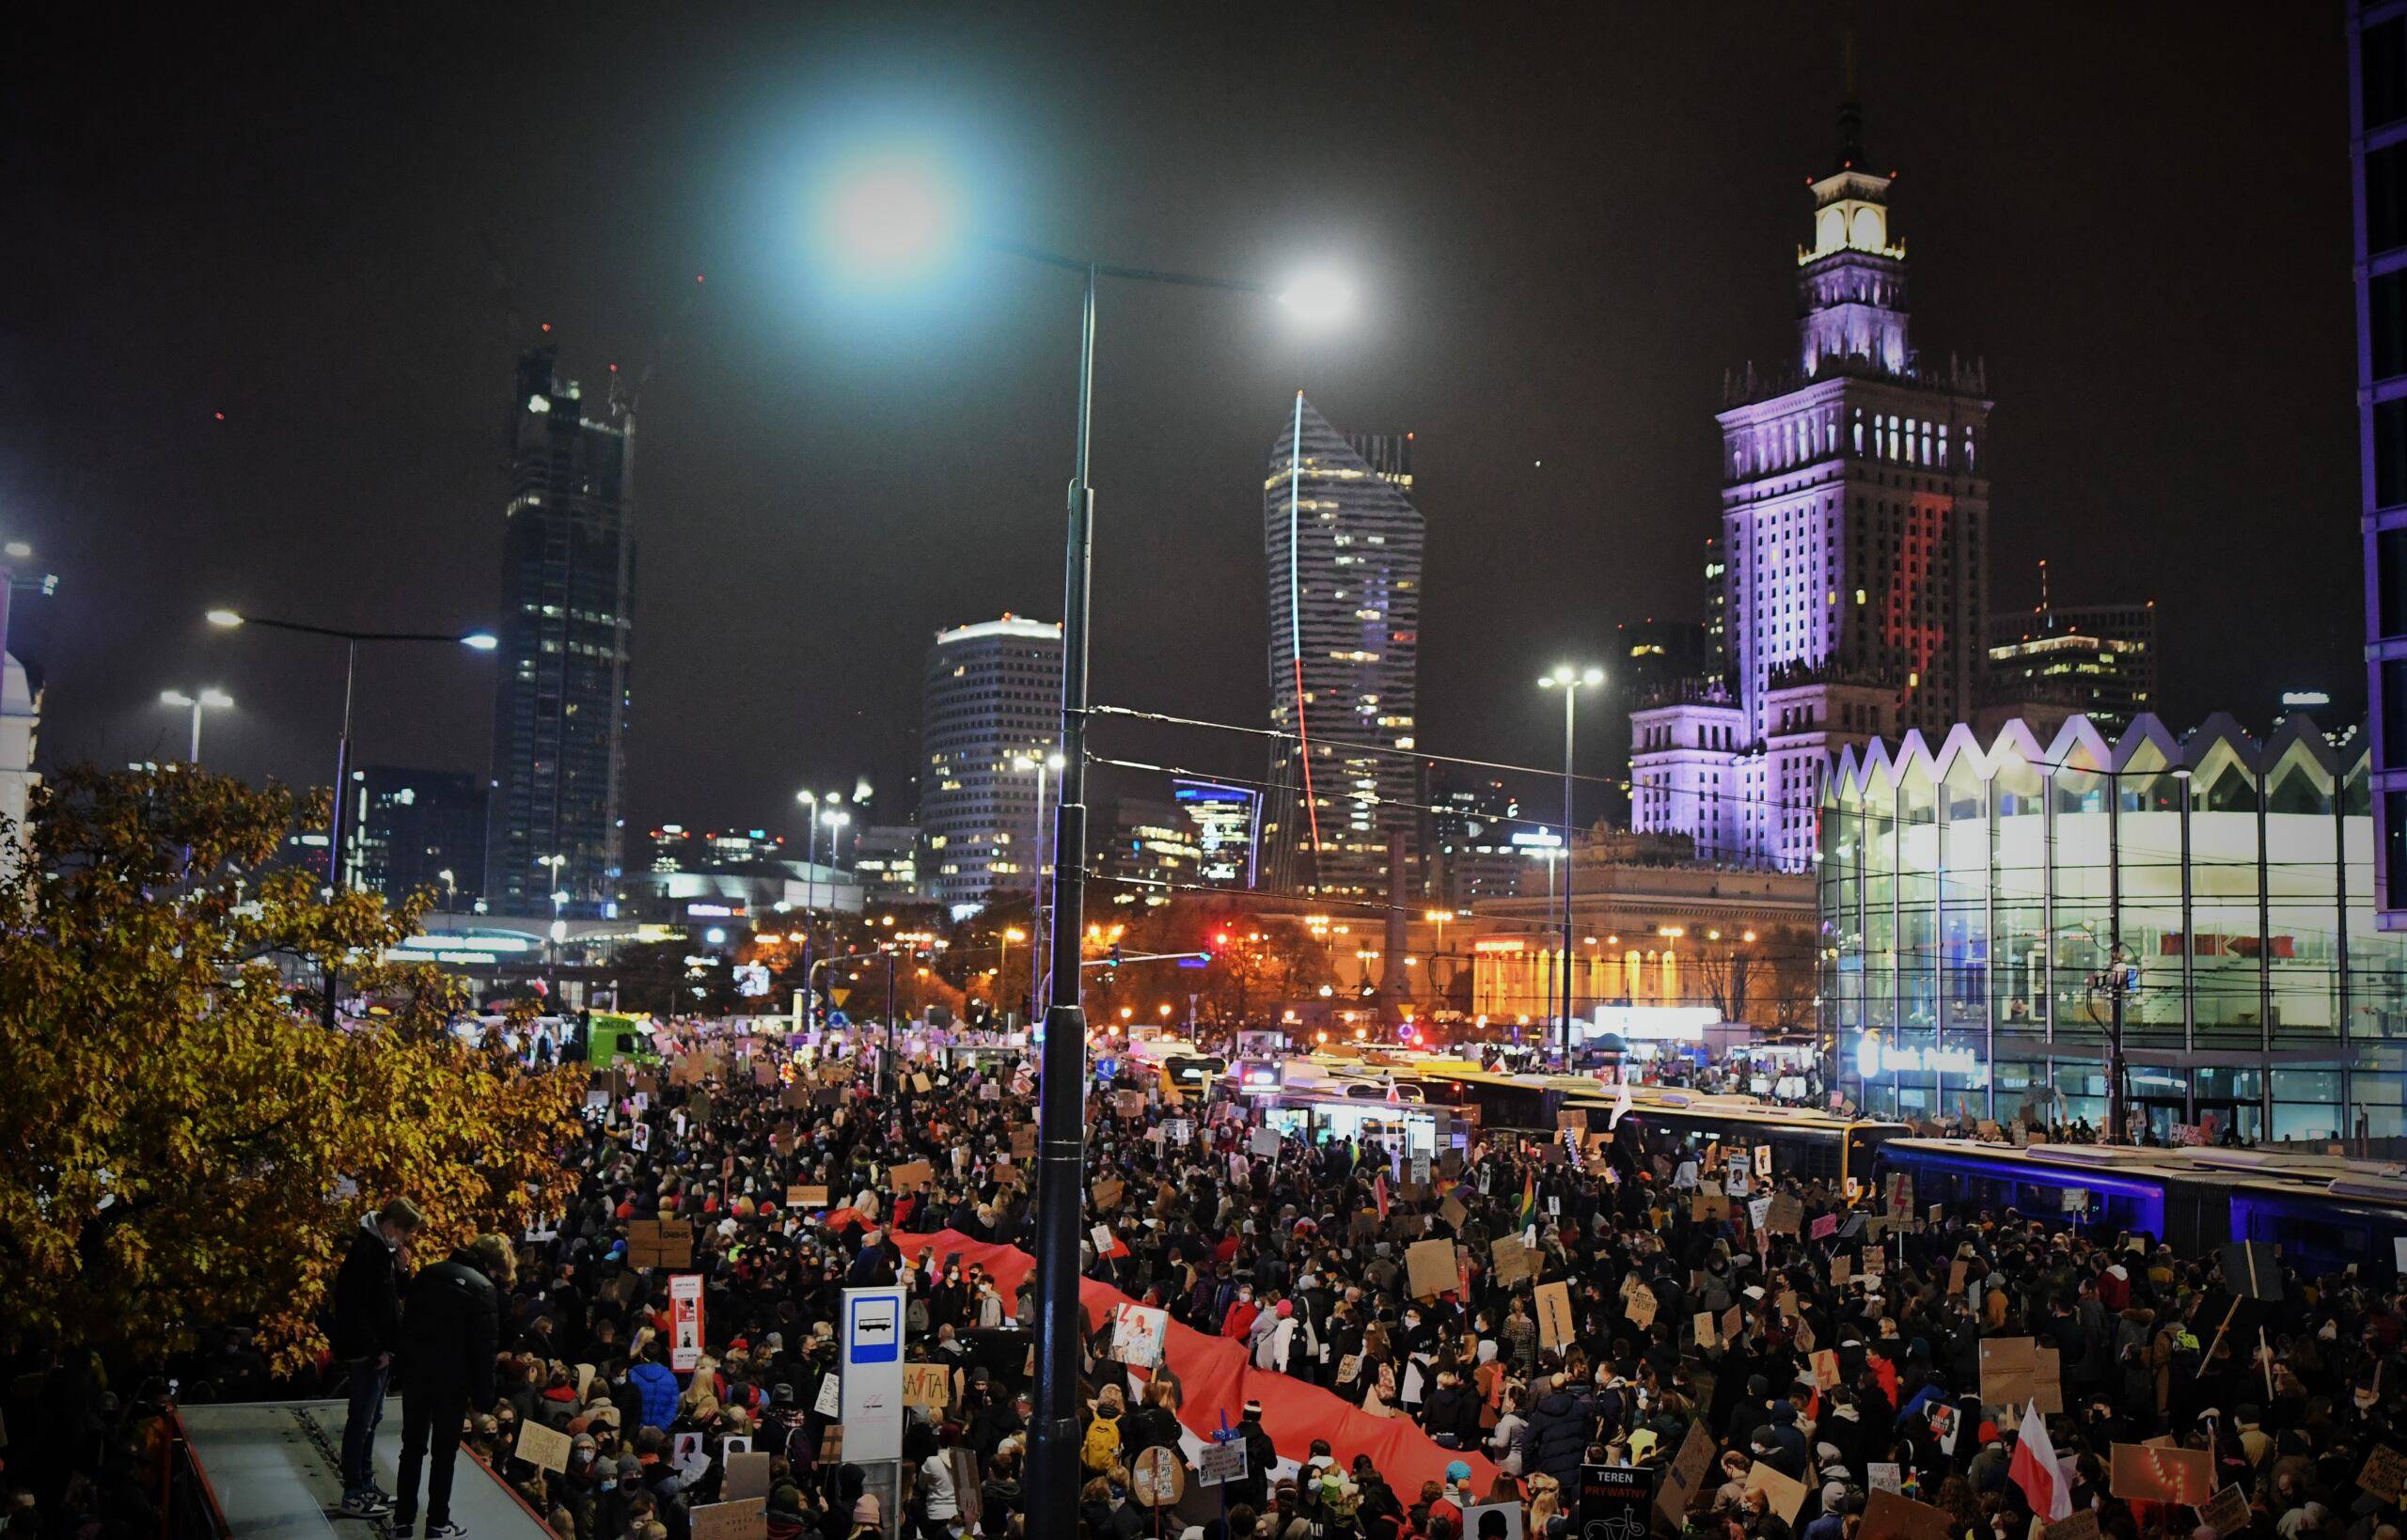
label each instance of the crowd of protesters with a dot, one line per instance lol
(1841, 1351)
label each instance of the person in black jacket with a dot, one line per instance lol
(366, 1328)
(451, 1329)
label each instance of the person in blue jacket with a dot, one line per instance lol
(659, 1386)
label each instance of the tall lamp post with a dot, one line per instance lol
(1570, 682)
(884, 216)
(196, 702)
(481, 641)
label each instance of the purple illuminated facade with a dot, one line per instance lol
(1853, 551)
(2377, 156)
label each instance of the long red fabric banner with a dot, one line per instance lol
(1216, 1378)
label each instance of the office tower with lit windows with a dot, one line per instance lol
(419, 829)
(2378, 157)
(2097, 661)
(560, 700)
(1226, 823)
(1854, 537)
(885, 859)
(1345, 543)
(994, 699)
(1481, 849)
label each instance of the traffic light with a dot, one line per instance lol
(1115, 955)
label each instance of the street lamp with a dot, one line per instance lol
(1569, 681)
(229, 620)
(196, 702)
(888, 216)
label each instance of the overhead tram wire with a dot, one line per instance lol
(1166, 719)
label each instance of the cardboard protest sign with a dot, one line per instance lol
(1510, 1261)
(1263, 1143)
(745, 1475)
(1684, 1479)
(1641, 1307)
(1576, 1118)
(1956, 1271)
(2385, 1474)
(2151, 1474)
(1024, 1142)
(928, 1385)
(917, 1173)
(1787, 1216)
(1703, 1327)
(2051, 1393)
(2010, 1370)
(1108, 1193)
(804, 1195)
(1429, 1269)
(1898, 1193)
(1708, 1209)
(1892, 1515)
(1556, 1326)
(744, 1520)
(2229, 1512)
(543, 1448)
(1826, 1370)
(1128, 1104)
(1785, 1494)
(1734, 1322)
(1453, 1211)
(1886, 1476)
(660, 1243)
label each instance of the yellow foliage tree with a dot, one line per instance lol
(181, 1145)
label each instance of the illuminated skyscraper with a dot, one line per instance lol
(561, 703)
(1854, 533)
(1344, 541)
(994, 698)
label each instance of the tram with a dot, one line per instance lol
(2326, 1212)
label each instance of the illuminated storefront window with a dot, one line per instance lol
(1978, 900)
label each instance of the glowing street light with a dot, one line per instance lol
(227, 618)
(196, 702)
(893, 216)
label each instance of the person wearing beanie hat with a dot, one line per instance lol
(866, 1525)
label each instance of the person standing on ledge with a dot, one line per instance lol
(367, 1329)
(451, 1329)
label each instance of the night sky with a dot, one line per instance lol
(1563, 225)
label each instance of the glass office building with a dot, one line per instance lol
(1976, 898)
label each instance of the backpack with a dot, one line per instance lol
(1100, 1450)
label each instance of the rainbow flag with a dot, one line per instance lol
(1530, 1199)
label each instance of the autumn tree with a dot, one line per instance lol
(182, 1143)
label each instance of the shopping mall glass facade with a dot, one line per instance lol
(1971, 895)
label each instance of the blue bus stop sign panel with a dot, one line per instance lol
(873, 1330)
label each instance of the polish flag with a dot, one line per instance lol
(1380, 1194)
(2034, 1469)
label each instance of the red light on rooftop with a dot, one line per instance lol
(221, 417)
(547, 325)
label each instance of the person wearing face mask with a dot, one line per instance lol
(1237, 1324)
